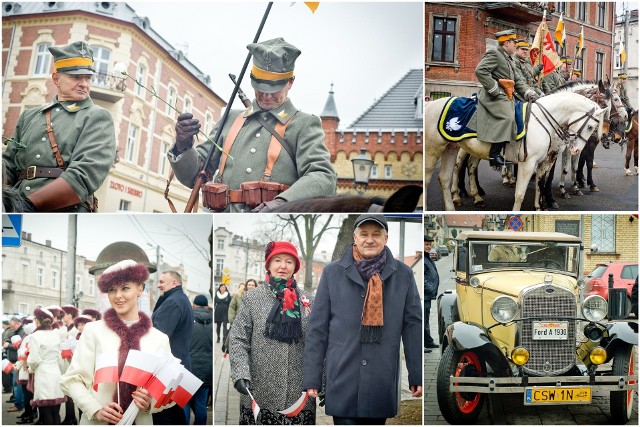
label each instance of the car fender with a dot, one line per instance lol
(620, 333)
(471, 336)
(447, 311)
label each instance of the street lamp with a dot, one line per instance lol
(362, 165)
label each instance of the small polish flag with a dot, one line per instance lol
(295, 409)
(167, 397)
(7, 366)
(16, 340)
(106, 369)
(254, 407)
(159, 384)
(139, 368)
(187, 387)
(67, 347)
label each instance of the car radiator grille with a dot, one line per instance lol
(548, 357)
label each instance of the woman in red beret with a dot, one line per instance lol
(266, 341)
(121, 329)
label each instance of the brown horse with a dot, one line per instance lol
(404, 200)
(632, 145)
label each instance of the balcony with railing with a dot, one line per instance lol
(518, 12)
(107, 87)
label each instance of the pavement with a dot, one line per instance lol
(11, 418)
(618, 192)
(227, 399)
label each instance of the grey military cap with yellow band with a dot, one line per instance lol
(273, 63)
(505, 35)
(76, 58)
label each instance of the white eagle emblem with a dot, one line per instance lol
(453, 124)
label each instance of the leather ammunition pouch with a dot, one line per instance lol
(217, 196)
(214, 196)
(508, 86)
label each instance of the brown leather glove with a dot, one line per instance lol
(186, 128)
(58, 194)
(268, 206)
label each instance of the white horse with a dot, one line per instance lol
(556, 120)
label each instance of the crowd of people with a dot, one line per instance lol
(55, 352)
(341, 346)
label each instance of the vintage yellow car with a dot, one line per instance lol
(516, 323)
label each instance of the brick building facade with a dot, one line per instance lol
(457, 34)
(144, 125)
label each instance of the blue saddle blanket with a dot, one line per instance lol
(457, 119)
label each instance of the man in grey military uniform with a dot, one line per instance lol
(302, 164)
(495, 114)
(622, 91)
(61, 153)
(556, 78)
(523, 66)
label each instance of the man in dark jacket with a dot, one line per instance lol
(201, 356)
(431, 283)
(173, 316)
(361, 347)
(12, 354)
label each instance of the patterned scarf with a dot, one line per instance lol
(129, 339)
(284, 322)
(372, 312)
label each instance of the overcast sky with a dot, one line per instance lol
(247, 225)
(363, 48)
(171, 232)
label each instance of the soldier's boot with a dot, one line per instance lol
(495, 155)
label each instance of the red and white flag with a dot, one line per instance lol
(254, 407)
(67, 347)
(187, 387)
(542, 50)
(16, 340)
(295, 409)
(7, 366)
(139, 368)
(160, 383)
(106, 369)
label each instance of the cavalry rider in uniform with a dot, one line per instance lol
(565, 67)
(575, 75)
(302, 163)
(495, 116)
(622, 91)
(554, 79)
(523, 66)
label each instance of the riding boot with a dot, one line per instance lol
(495, 155)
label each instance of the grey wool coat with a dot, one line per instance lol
(273, 367)
(552, 81)
(362, 379)
(86, 138)
(529, 73)
(495, 114)
(312, 174)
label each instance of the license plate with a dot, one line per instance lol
(550, 330)
(556, 395)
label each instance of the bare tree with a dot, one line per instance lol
(345, 237)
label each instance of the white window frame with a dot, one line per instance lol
(101, 64)
(131, 144)
(141, 76)
(162, 160)
(42, 63)
(24, 272)
(55, 275)
(374, 171)
(220, 244)
(91, 286)
(40, 276)
(387, 172)
(171, 100)
(125, 205)
(219, 266)
(78, 283)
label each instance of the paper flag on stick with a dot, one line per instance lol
(187, 387)
(16, 340)
(295, 409)
(106, 369)
(254, 407)
(139, 368)
(7, 366)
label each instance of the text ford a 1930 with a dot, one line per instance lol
(516, 324)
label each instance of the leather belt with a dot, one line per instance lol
(39, 172)
(235, 196)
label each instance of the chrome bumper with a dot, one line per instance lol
(519, 384)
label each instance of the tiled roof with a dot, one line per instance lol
(399, 108)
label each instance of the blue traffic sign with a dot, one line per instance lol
(515, 223)
(11, 229)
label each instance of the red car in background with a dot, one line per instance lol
(624, 275)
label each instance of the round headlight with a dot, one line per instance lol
(474, 282)
(598, 355)
(594, 308)
(580, 283)
(504, 309)
(520, 356)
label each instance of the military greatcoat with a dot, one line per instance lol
(495, 115)
(624, 97)
(552, 81)
(274, 368)
(86, 138)
(529, 73)
(311, 175)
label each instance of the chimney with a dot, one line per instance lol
(47, 243)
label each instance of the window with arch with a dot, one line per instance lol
(130, 148)
(43, 57)
(101, 57)
(187, 105)
(141, 76)
(171, 100)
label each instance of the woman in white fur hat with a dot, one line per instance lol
(44, 362)
(121, 329)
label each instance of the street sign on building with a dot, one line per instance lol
(11, 229)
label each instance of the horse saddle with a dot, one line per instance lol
(457, 121)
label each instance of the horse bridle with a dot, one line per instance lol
(563, 131)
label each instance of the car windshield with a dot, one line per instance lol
(597, 272)
(524, 255)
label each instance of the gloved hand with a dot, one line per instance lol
(533, 98)
(186, 128)
(321, 398)
(242, 386)
(268, 206)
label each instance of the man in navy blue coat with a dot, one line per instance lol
(173, 316)
(365, 303)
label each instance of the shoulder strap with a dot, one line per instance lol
(287, 147)
(228, 142)
(52, 140)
